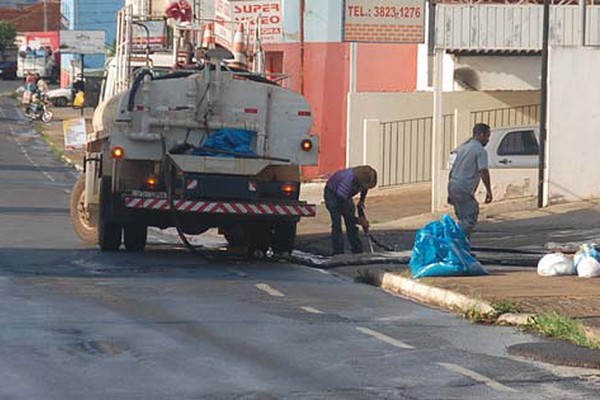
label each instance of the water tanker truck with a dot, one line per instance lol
(208, 147)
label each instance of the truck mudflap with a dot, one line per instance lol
(290, 209)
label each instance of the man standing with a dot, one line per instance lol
(339, 190)
(469, 166)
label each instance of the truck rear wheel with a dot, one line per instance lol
(109, 232)
(284, 235)
(135, 236)
(84, 222)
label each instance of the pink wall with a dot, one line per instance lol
(326, 86)
(387, 68)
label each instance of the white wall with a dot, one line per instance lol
(368, 110)
(499, 72)
(574, 124)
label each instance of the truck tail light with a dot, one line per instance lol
(118, 152)
(306, 145)
(151, 182)
(288, 189)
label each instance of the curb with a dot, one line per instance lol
(453, 301)
(432, 295)
(71, 163)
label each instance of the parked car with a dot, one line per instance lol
(514, 147)
(60, 97)
(8, 70)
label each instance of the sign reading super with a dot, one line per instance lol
(384, 21)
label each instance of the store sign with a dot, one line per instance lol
(267, 14)
(82, 42)
(384, 21)
(153, 39)
(37, 40)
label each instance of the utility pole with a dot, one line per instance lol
(45, 17)
(544, 104)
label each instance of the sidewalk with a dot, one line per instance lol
(396, 214)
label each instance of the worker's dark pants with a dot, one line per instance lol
(339, 208)
(466, 208)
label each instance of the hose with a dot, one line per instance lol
(135, 87)
(167, 178)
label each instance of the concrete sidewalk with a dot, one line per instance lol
(505, 226)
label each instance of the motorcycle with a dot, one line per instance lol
(37, 109)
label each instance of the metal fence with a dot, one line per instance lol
(406, 145)
(507, 117)
(406, 149)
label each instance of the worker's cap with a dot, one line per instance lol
(366, 176)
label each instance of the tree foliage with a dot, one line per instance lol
(8, 33)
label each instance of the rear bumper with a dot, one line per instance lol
(287, 209)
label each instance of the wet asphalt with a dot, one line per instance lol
(79, 323)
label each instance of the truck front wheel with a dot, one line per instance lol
(109, 232)
(84, 222)
(135, 236)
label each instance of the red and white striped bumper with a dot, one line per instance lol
(221, 207)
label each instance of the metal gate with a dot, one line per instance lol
(406, 149)
(507, 117)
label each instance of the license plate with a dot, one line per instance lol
(149, 195)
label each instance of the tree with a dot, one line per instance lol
(8, 33)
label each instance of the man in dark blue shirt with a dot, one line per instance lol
(339, 190)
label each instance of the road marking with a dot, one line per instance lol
(272, 291)
(384, 338)
(311, 310)
(477, 377)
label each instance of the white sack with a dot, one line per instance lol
(555, 264)
(588, 267)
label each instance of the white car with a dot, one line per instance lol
(514, 147)
(60, 97)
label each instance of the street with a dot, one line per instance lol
(166, 324)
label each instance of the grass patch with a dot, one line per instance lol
(56, 150)
(504, 306)
(476, 316)
(558, 326)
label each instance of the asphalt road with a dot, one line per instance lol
(81, 324)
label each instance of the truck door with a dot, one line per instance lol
(514, 148)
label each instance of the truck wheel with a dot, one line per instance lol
(109, 233)
(284, 235)
(84, 223)
(135, 236)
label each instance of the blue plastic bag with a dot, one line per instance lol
(237, 141)
(442, 249)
